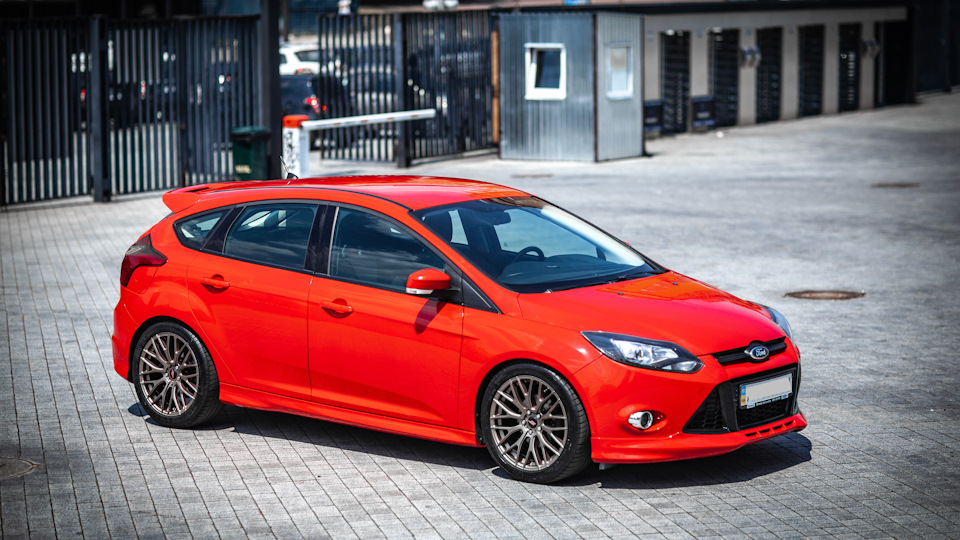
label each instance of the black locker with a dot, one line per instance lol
(725, 76)
(770, 42)
(849, 96)
(675, 66)
(811, 69)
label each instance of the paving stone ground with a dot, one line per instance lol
(760, 211)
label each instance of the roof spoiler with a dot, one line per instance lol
(179, 200)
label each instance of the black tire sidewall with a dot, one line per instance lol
(206, 404)
(575, 455)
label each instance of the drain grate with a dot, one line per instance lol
(532, 175)
(826, 295)
(14, 467)
(896, 185)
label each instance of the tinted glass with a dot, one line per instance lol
(193, 232)
(370, 249)
(528, 245)
(275, 234)
(548, 68)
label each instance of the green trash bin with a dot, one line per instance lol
(250, 152)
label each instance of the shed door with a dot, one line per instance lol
(770, 42)
(811, 70)
(676, 81)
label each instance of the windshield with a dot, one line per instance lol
(528, 245)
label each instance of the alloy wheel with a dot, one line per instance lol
(528, 422)
(169, 376)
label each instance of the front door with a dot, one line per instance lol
(373, 347)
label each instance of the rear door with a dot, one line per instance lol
(250, 297)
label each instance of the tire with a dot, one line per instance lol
(174, 377)
(534, 424)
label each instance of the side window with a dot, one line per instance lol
(275, 234)
(193, 232)
(619, 71)
(370, 249)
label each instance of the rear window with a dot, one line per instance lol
(193, 232)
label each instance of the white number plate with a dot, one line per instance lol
(762, 392)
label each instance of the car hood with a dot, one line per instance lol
(666, 307)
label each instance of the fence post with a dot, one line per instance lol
(400, 75)
(96, 100)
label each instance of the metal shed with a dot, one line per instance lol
(570, 86)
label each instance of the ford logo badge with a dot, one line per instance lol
(758, 353)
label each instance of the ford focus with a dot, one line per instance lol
(452, 310)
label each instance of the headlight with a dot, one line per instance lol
(780, 320)
(645, 353)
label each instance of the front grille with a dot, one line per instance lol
(720, 412)
(734, 356)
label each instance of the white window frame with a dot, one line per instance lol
(534, 92)
(619, 94)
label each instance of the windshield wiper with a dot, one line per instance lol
(635, 275)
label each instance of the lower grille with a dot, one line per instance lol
(709, 417)
(720, 412)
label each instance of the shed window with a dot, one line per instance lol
(546, 71)
(619, 71)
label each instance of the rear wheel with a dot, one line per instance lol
(534, 424)
(175, 379)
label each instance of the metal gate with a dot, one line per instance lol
(676, 81)
(725, 49)
(849, 67)
(407, 62)
(108, 107)
(811, 69)
(770, 42)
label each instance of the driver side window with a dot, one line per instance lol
(369, 249)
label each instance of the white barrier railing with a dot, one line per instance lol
(296, 133)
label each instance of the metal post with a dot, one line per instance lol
(400, 75)
(97, 67)
(270, 82)
(296, 146)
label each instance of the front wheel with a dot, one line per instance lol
(534, 424)
(175, 379)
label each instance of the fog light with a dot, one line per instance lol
(641, 419)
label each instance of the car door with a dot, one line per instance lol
(373, 347)
(250, 297)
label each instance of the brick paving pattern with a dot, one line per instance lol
(759, 212)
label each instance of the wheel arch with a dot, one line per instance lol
(143, 328)
(478, 398)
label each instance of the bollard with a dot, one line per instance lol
(296, 146)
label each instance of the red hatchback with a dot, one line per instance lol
(451, 310)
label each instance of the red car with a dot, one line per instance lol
(452, 310)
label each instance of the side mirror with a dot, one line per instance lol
(427, 282)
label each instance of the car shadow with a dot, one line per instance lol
(748, 463)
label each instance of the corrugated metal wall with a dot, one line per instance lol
(547, 129)
(619, 120)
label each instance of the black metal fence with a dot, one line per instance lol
(725, 49)
(811, 43)
(93, 106)
(849, 91)
(770, 42)
(374, 64)
(676, 82)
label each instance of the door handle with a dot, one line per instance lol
(337, 307)
(216, 282)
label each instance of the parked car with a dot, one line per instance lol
(452, 310)
(301, 94)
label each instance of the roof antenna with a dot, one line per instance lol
(290, 175)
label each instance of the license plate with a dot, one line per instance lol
(760, 393)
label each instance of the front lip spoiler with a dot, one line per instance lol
(640, 449)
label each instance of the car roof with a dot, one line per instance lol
(412, 192)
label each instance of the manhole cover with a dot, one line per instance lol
(13, 467)
(826, 295)
(896, 185)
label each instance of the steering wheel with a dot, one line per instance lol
(529, 249)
